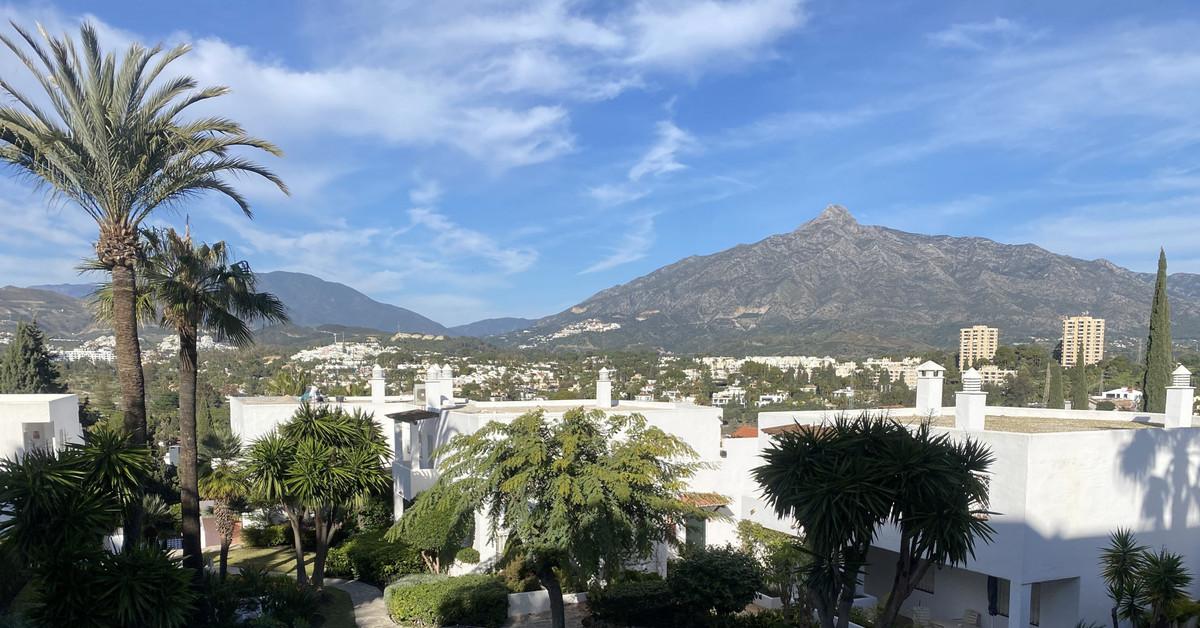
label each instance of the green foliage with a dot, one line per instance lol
(25, 365)
(1055, 397)
(373, 559)
(431, 600)
(1146, 587)
(324, 460)
(843, 480)
(282, 600)
(467, 556)
(633, 603)
(436, 524)
(714, 580)
(267, 536)
(1159, 362)
(571, 491)
(782, 557)
(1079, 385)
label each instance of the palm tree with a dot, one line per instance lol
(224, 482)
(1120, 564)
(193, 288)
(1165, 580)
(113, 143)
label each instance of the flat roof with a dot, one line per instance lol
(1011, 424)
(557, 405)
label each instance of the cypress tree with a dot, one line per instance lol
(1054, 398)
(1079, 392)
(25, 367)
(1158, 346)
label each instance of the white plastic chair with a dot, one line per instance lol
(970, 619)
(920, 616)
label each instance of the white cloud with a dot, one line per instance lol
(662, 157)
(686, 35)
(981, 35)
(427, 192)
(634, 244)
(452, 240)
(616, 193)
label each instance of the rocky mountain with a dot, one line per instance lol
(492, 327)
(76, 290)
(312, 301)
(56, 313)
(836, 286)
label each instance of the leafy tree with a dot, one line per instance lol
(113, 143)
(436, 525)
(192, 288)
(1159, 362)
(1054, 397)
(783, 558)
(224, 482)
(325, 462)
(841, 481)
(25, 366)
(1120, 564)
(1079, 386)
(577, 493)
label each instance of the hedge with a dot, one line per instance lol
(370, 558)
(435, 600)
(268, 536)
(467, 556)
(634, 602)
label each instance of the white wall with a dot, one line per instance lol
(58, 413)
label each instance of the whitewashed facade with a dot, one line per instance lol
(38, 421)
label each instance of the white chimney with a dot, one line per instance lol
(433, 396)
(604, 389)
(1179, 399)
(447, 385)
(378, 385)
(929, 389)
(970, 405)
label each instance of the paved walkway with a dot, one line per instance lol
(369, 609)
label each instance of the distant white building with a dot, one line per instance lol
(993, 375)
(733, 394)
(90, 355)
(1125, 393)
(770, 399)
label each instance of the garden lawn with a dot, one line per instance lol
(274, 559)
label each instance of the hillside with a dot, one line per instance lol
(492, 327)
(836, 286)
(56, 313)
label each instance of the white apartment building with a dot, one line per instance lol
(993, 375)
(91, 355)
(768, 399)
(1062, 480)
(732, 394)
(38, 421)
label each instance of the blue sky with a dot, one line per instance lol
(469, 159)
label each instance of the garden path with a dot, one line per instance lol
(369, 609)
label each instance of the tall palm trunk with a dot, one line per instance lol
(189, 492)
(226, 521)
(129, 375)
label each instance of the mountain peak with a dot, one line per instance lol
(833, 214)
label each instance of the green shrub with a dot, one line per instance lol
(720, 580)
(434, 600)
(633, 603)
(467, 556)
(283, 602)
(371, 558)
(268, 536)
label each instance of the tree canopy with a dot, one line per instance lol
(1159, 362)
(843, 480)
(25, 366)
(587, 490)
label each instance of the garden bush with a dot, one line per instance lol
(281, 601)
(434, 600)
(371, 558)
(633, 603)
(720, 580)
(267, 536)
(467, 556)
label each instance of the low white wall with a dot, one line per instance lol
(537, 602)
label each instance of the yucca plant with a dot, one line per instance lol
(108, 134)
(1165, 580)
(1120, 566)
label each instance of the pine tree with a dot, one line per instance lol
(1054, 398)
(25, 367)
(1079, 392)
(1158, 347)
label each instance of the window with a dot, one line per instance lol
(926, 583)
(695, 532)
(1035, 604)
(1003, 591)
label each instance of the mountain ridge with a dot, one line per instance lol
(836, 285)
